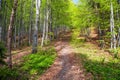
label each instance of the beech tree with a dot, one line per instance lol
(95, 13)
(9, 36)
(113, 37)
(35, 31)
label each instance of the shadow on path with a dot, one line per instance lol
(66, 66)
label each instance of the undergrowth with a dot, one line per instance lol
(115, 52)
(11, 74)
(102, 65)
(36, 64)
(31, 67)
(2, 53)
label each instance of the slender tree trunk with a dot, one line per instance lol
(9, 36)
(15, 33)
(4, 32)
(30, 27)
(47, 20)
(0, 28)
(23, 30)
(21, 23)
(19, 36)
(15, 38)
(50, 22)
(51, 29)
(43, 33)
(35, 33)
(0, 33)
(118, 37)
(113, 37)
(0, 4)
(30, 31)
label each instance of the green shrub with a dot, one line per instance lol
(115, 52)
(36, 64)
(11, 74)
(2, 53)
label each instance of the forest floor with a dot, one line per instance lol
(66, 65)
(18, 54)
(80, 61)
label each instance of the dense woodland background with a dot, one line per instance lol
(36, 24)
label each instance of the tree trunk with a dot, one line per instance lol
(43, 32)
(47, 22)
(35, 31)
(0, 4)
(119, 38)
(9, 36)
(15, 38)
(118, 26)
(0, 33)
(30, 27)
(113, 38)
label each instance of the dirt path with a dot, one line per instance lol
(66, 66)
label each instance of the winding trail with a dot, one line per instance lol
(66, 66)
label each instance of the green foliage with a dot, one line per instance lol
(97, 13)
(102, 65)
(76, 39)
(10, 74)
(62, 12)
(46, 42)
(115, 53)
(2, 53)
(36, 64)
(32, 66)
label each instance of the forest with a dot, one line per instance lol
(59, 39)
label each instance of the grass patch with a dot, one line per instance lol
(36, 64)
(115, 52)
(102, 65)
(76, 40)
(11, 74)
(31, 67)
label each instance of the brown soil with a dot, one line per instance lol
(66, 66)
(18, 57)
(18, 54)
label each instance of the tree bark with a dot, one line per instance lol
(113, 37)
(47, 20)
(35, 31)
(43, 32)
(30, 27)
(9, 36)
